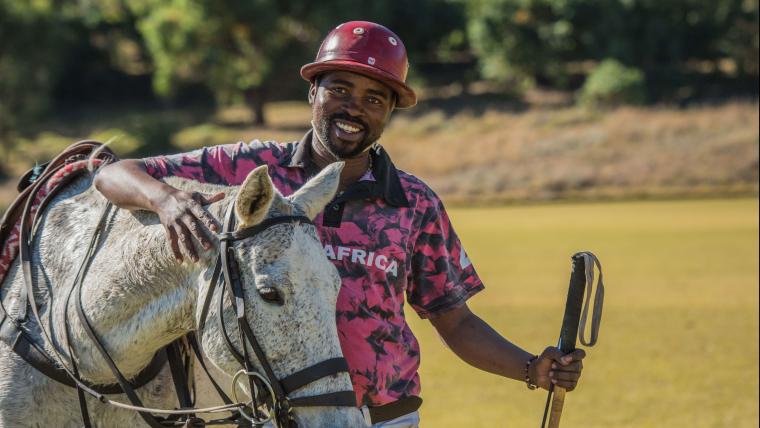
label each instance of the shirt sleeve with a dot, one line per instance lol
(443, 277)
(227, 164)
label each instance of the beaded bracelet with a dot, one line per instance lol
(528, 382)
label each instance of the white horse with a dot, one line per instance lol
(138, 298)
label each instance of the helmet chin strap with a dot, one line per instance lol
(332, 153)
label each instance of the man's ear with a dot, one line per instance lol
(312, 92)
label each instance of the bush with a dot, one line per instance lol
(612, 84)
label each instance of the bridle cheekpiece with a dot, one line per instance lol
(266, 389)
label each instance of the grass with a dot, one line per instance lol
(569, 152)
(678, 344)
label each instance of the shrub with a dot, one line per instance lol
(612, 84)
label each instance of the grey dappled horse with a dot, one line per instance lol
(139, 298)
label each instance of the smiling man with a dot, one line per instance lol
(386, 232)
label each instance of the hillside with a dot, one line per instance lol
(477, 151)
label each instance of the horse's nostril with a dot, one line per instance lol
(271, 295)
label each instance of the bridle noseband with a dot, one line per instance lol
(266, 389)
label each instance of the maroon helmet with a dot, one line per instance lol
(369, 49)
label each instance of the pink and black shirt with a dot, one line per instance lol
(387, 234)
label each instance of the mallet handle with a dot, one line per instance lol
(569, 332)
(558, 400)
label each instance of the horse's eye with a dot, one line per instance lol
(271, 295)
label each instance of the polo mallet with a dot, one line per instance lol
(581, 278)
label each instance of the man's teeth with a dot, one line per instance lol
(347, 128)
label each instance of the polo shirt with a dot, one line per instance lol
(388, 235)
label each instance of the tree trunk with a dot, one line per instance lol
(254, 97)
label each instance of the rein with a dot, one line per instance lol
(266, 389)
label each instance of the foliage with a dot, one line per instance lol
(68, 53)
(521, 41)
(547, 41)
(612, 84)
(241, 49)
(33, 45)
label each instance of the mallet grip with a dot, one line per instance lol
(569, 331)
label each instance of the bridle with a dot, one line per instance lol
(266, 389)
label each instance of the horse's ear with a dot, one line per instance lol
(254, 197)
(317, 192)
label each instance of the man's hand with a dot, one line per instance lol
(128, 185)
(552, 367)
(185, 220)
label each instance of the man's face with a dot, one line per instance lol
(349, 111)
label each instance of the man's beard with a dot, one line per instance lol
(322, 129)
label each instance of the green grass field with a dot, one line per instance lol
(678, 344)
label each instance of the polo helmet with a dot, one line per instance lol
(369, 49)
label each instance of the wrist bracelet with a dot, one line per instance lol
(528, 381)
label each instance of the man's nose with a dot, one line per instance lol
(353, 107)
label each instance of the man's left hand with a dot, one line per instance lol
(554, 367)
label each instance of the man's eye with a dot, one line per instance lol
(374, 100)
(339, 91)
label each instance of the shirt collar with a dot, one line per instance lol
(386, 186)
(299, 156)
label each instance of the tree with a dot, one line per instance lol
(242, 49)
(537, 40)
(34, 41)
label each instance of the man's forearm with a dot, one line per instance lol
(475, 342)
(129, 186)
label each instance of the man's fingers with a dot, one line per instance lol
(173, 240)
(565, 369)
(576, 366)
(207, 219)
(215, 198)
(576, 355)
(579, 354)
(205, 199)
(186, 242)
(552, 353)
(564, 359)
(198, 231)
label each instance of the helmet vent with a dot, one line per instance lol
(358, 30)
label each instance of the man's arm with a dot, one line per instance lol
(479, 345)
(128, 185)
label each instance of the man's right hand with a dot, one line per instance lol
(186, 220)
(128, 185)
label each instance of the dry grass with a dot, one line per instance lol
(548, 153)
(572, 152)
(678, 342)
(488, 151)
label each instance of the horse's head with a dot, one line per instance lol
(290, 291)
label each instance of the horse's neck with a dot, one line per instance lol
(137, 297)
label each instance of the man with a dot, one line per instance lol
(386, 231)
